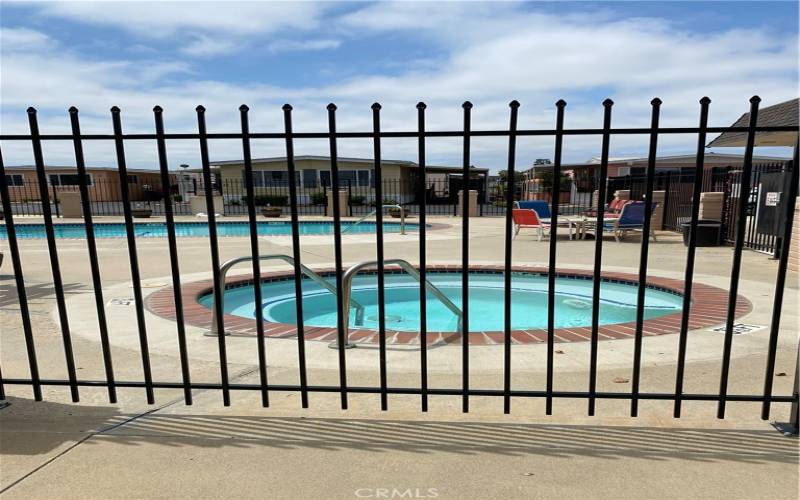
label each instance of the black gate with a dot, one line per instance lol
(760, 212)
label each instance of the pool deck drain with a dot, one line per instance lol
(709, 308)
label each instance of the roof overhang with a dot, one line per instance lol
(784, 114)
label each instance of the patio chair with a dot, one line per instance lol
(541, 207)
(524, 217)
(631, 218)
(612, 209)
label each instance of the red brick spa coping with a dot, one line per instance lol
(709, 307)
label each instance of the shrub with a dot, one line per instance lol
(357, 200)
(318, 198)
(273, 200)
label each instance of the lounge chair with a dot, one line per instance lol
(630, 219)
(542, 209)
(525, 217)
(612, 209)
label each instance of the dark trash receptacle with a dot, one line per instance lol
(708, 233)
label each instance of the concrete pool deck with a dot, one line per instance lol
(211, 440)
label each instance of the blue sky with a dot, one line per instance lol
(179, 54)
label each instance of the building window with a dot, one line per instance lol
(15, 180)
(133, 179)
(309, 178)
(69, 180)
(353, 178)
(271, 178)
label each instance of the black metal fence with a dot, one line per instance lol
(678, 192)
(466, 391)
(441, 197)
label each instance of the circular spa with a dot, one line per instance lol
(573, 306)
(199, 229)
(528, 305)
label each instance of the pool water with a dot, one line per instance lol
(528, 302)
(196, 229)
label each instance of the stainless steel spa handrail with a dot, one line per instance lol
(383, 207)
(224, 268)
(347, 288)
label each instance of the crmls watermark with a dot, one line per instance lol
(397, 493)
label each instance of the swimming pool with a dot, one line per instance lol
(197, 229)
(528, 309)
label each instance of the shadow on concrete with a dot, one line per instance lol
(35, 291)
(52, 423)
(463, 438)
(56, 423)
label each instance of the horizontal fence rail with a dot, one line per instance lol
(164, 194)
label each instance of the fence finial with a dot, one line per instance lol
(286, 107)
(514, 104)
(705, 100)
(73, 110)
(467, 105)
(244, 107)
(561, 103)
(376, 106)
(331, 107)
(200, 109)
(656, 101)
(421, 105)
(31, 110)
(608, 102)
(755, 99)
(158, 109)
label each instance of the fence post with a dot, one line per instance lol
(666, 201)
(349, 198)
(55, 201)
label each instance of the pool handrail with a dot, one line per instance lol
(347, 287)
(224, 268)
(383, 207)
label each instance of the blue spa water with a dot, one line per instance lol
(195, 229)
(528, 307)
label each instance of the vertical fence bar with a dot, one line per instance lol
(780, 282)
(744, 191)
(22, 295)
(92, 248)
(510, 186)
(132, 254)
(643, 256)
(465, 258)
(58, 285)
(376, 148)
(251, 216)
(298, 276)
(551, 268)
(688, 279)
(423, 298)
(173, 253)
(337, 248)
(219, 287)
(598, 253)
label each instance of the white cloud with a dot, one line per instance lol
(212, 28)
(302, 45)
(489, 55)
(23, 39)
(204, 46)
(157, 19)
